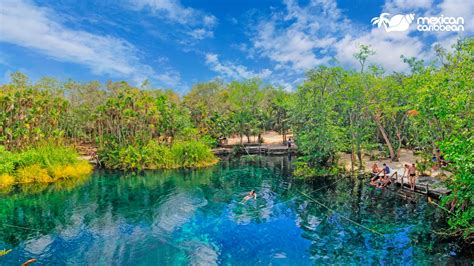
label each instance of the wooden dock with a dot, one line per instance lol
(255, 149)
(427, 185)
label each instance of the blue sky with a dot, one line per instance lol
(176, 43)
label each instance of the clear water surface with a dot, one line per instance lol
(195, 217)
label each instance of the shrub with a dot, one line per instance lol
(6, 161)
(33, 173)
(192, 154)
(157, 156)
(46, 156)
(209, 141)
(76, 170)
(6, 180)
(153, 155)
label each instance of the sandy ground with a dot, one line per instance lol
(270, 137)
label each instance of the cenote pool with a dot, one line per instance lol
(195, 217)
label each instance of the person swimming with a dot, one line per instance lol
(251, 194)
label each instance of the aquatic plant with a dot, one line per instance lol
(4, 252)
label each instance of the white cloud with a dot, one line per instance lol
(388, 48)
(290, 46)
(300, 38)
(303, 37)
(201, 33)
(200, 24)
(459, 8)
(172, 9)
(233, 71)
(33, 27)
(409, 6)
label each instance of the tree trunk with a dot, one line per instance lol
(352, 142)
(359, 156)
(393, 156)
(399, 135)
(399, 138)
(352, 158)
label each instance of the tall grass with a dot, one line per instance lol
(42, 164)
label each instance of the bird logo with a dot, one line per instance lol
(396, 23)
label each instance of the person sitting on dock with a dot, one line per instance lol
(375, 174)
(387, 180)
(251, 194)
(412, 176)
(385, 171)
(380, 175)
(375, 169)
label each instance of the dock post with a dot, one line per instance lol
(427, 188)
(402, 182)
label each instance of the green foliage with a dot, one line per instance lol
(303, 170)
(189, 154)
(46, 156)
(148, 130)
(459, 151)
(430, 108)
(314, 117)
(28, 114)
(192, 154)
(7, 161)
(244, 108)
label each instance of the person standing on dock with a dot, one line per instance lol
(406, 168)
(412, 176)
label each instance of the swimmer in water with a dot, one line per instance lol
(251, 194)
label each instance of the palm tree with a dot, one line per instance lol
(382, 20)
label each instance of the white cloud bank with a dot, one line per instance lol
(25, 24)
(233, 71)
(302, 37)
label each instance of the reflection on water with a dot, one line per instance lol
(197, 217)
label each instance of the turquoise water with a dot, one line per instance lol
(195, 217)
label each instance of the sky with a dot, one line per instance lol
(177, 43)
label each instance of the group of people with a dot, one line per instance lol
(382, 177)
